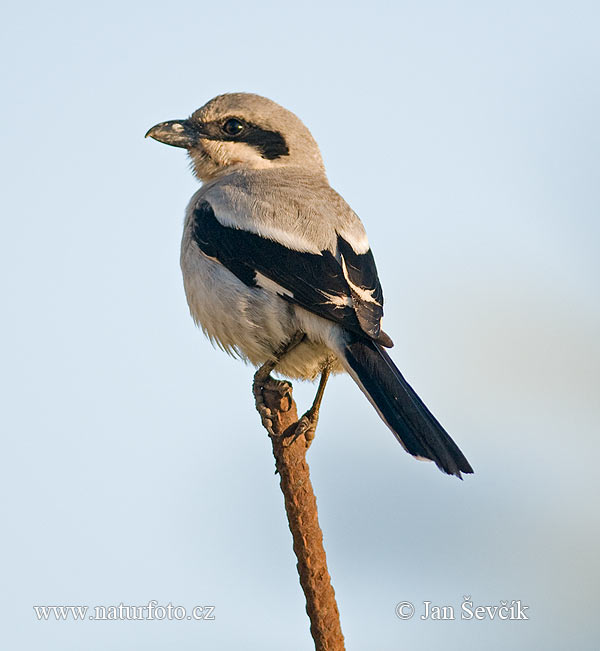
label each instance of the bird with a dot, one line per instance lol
(278, 270)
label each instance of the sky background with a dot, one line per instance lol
(134, 467)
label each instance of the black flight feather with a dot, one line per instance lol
(401, 408)
(315, 280)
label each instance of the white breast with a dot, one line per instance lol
(252, 323)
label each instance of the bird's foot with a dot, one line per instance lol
(307, 426)
(282, 387)
(263, 380)
(265, 418)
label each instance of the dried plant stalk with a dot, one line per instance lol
(301, 509)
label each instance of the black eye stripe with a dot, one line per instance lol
(269, 144)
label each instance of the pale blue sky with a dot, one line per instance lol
(466, 136)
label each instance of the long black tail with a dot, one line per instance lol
(401, 408)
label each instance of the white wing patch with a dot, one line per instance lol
(362, 293)
(337, 300)
(266, 283)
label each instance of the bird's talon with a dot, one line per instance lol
(282, 387)
(306, 426)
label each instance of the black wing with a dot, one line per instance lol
(348, 293)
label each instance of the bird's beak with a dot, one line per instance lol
(178, 133)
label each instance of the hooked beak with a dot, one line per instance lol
(178, 133)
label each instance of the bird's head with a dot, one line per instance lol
(244, 131)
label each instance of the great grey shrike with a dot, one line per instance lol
(278, 270)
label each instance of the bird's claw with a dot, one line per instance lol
(282, 387)
(307, 426)
(265, 418)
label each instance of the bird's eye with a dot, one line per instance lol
(233, 127)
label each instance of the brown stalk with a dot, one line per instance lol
(301, 509)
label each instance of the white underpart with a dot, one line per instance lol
(271, 285)
(364, 294)
(253, 322)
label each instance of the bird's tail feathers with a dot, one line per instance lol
(400, 407)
